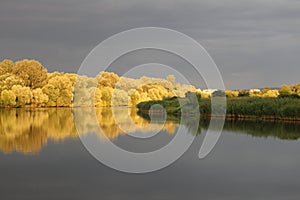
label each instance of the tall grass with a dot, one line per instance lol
(264, 107)
(236, 107)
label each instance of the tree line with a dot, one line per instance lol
(292, 91)
(28, 83)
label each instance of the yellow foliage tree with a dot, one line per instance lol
(7, 81)
(39, 98)
(32, 72)
(106, 96)
(231, 94)
(6, 66)
(271, 93)
(107, 79)
(119, 98)
(149, 92)
(171, 79)
(285, 90)
(59, 90)
(52, 93)
(23, 95)
(8, 97)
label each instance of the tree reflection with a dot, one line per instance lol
(29, 130)
(116, 121)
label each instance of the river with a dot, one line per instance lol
(42, 157)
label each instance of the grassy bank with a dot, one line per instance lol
(274, 109)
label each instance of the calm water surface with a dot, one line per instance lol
(41, 157)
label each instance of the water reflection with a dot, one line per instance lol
(29, 130)
(117, 121)
(265, 129)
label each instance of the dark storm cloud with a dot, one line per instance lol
(254, 43)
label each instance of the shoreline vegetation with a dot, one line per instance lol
(239, 108)
(27, 83)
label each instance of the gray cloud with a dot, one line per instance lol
(254, 43)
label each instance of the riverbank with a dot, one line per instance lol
(243, 108)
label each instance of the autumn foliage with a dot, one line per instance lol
(27, 83)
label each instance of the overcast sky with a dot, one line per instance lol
(254, 43)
